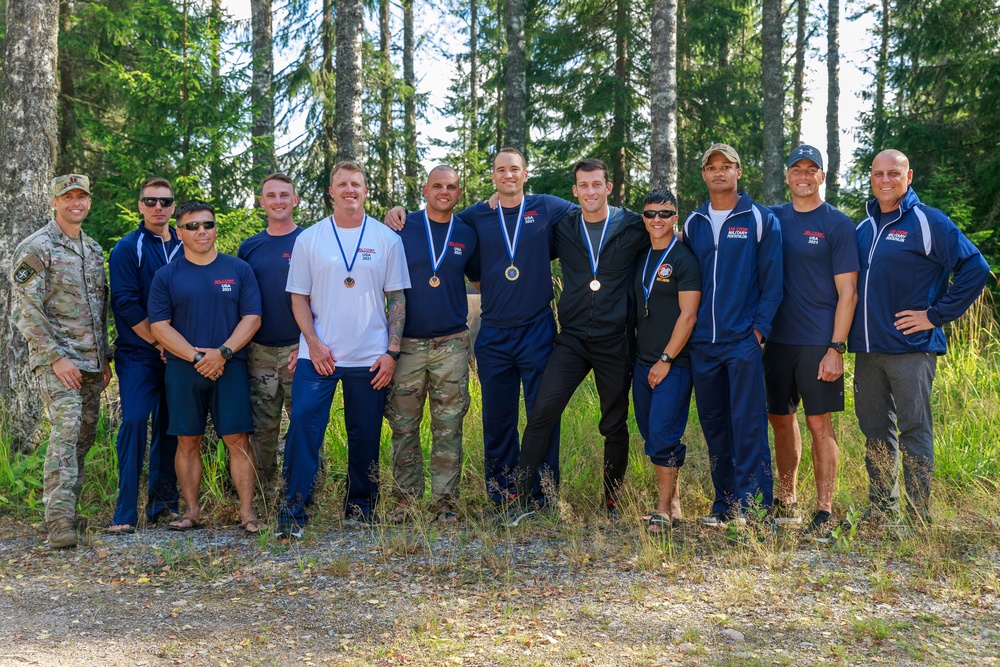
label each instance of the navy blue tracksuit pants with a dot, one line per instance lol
(363, 409)
(506, 358)
(732, 408)
(142, 387)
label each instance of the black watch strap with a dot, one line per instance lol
(227, 354)
(839, 348)
(666, 358)
(394, 354)
(199, 356)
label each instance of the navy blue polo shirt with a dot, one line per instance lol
(437, 311)
(816, 246)
(515, 303)
(204, 303)
(269, 257)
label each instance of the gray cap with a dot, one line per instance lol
(806, 152)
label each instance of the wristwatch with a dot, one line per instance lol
(839, 348)
(666, 358)
(199, 356)
(227, 354)
(394, 354)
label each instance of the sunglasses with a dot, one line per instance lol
(195, 226)
(150, 202)
(664, 214)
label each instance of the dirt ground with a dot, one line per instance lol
(477, 595)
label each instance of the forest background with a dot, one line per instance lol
(180, 89)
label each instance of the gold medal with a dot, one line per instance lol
(435, 281)
(349, 281)
(512, 273)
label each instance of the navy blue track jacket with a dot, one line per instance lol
(741, 278)
(907, 257)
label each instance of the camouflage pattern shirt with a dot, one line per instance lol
(60, 298)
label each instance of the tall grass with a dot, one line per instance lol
(966, 404)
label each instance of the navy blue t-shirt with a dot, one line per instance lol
(204, 303)
(816, 246)
(437, 311)
(269, 257)
(515, 303)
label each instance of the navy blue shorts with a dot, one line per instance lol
(790, 374)
(191, 396)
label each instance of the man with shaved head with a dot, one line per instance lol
(434, 353)
(918, 271)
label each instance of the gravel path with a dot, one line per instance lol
(541, 595)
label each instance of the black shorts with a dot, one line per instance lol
(191, 396)
(790, 373)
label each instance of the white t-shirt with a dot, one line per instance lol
(349, 320)
(718, 218)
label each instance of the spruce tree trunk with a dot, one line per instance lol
(663, 96)
(329, 138)
(770, 66)
(411, 155)
(881, 75)
(348, 108)
(516, 95)
(618, 123)
(799, 73)
(833, 102)
(383, 170)
(262, 90)
(28, 143)
(65, 162)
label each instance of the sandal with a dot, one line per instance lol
(251, 526)
(185, 524)
(120, 529)
(399, 515)
(659, 524)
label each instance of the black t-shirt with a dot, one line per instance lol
(678, 272)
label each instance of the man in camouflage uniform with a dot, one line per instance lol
(434, 354)
(274, 349)
(60, 305)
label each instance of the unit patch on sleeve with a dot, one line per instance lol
(29, 267)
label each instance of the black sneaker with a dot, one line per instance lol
(288, 531)
(786, 514)
(819, 526)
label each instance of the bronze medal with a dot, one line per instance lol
(349, 281)
(434, 281)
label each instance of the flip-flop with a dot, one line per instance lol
(251, 526)
(192, 525)
(120, 529)
(661, 524)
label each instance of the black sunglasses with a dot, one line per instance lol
(665, 214)
(165, 202)
(195, 226)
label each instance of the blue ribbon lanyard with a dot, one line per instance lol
(437, 260)
(349, 281)
(595, 258)
(648, 289)
(512, 247)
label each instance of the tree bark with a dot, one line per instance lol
(771, 78)
(383, 142)
(348, 108)
(619, 129)
(185, 93)
(262, 90)
(28, 142)
(474, 74)
(516, 95)
(799, 73)
(329, 138)
(663, 96)
(411, 155)
(833, 102)
(65, 163)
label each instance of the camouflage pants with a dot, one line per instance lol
(73, 417)
(438, 367)
(270, 389)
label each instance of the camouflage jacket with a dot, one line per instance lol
(61, 298)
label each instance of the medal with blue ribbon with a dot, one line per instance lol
(648, 289)
(595, 284)
(437, 259)
(511, 272)
(349, 281)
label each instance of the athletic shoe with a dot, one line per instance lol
(515, 514)
(288, 531)
(819, 526)
(717, 520)
(879, 515)
(786, 514)
(613, 514)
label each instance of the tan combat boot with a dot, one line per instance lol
(62, 534)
